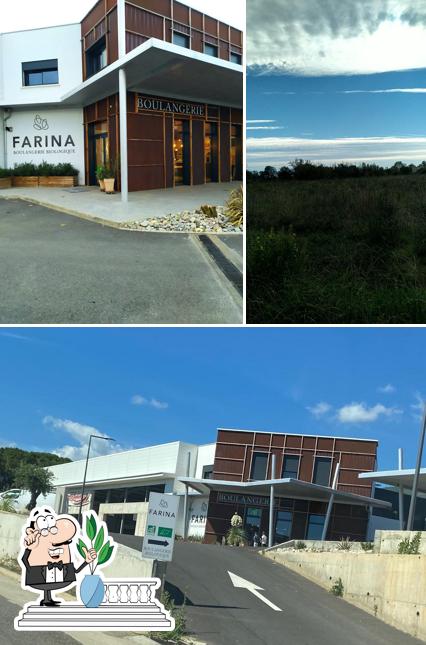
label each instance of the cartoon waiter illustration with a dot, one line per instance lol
(47, 555)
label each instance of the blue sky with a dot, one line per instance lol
(149, 386)
(336, 81)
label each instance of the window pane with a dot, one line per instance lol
(136, 494)
(129, 524)
(322, 471)
(34, 78)
(283, 526)
(100, 497)
(116, 495)
(315, 527)
(236, 58)
(210, 50)
(258, 467)
(181, 40)
(50, 76)
(113, 523)
(290, 466)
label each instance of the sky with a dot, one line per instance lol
(27, 14)
(336, 80)
(150, 386)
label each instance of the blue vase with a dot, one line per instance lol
(92, 590)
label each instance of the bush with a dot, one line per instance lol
(10, 563)
(236, 536)
(367, 546)
(410, 547)
(344, 544)
(178, 614)
(235, 207)
(300, 546)
(337, 588)
(5, 172)
(7, 505)
(45, 170)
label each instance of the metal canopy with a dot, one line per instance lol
(397, 478)
(164, 69)
(293, 488)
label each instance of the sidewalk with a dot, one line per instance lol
(10, 589)
(90, 203)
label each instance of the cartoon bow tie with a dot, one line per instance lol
(52, 565)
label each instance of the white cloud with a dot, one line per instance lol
(80, 433)
(406, 90)
(313, 37)
(138, 399)
(387, 389)
(360, 413)
(261, 121)
(320, 409)
(265, 127)
(418, 407)
(262, 151)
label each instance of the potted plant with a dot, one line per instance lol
(92, 586)
(100, 174)
(109, 179)
(5, 178)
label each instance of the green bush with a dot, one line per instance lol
(344, 544)
(367, 546)
(236, 536)
(178, 614)
(300, 546)
(410, 547)
(337, 588)
(5, 172)
(45, 170)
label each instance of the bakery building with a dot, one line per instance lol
(152, 88)
(292, 486)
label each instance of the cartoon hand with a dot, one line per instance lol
(90, 555)
(32, 539)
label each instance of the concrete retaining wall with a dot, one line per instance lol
(389, 586)
(128, 563)
(389, 541)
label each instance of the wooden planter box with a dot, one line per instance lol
(24, 182)
(5, 182)
(58, 182)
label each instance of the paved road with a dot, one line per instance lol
(55, 268)
(8, 635)
(218, 613)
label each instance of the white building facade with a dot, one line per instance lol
(118, 485)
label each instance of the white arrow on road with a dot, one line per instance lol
(239, 582)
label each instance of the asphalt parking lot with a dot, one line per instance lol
(59, 269)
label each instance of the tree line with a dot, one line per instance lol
(300, 170)
(25, 469)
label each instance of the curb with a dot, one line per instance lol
(105, 222)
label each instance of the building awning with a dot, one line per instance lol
(290, 488)
(163, 69)
(122, 481)
(397, 478)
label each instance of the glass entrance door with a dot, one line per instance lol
(98, 149)
(210, 152)
(236, 153)
(252, 523)
(182, 154)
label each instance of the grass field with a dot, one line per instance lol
(337, 251)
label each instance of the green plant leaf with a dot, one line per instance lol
(105, 553)
(80, 545)
(91, 527)
(99, 540)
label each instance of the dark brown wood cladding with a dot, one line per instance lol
(112, 37)
(144, 22)
(198, 176)
(225, 152)
(93, 17)
(181, 13)
(168, 131)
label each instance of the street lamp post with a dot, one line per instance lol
(92, 436)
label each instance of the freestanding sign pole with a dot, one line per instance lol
(416, 474)
(401, 490)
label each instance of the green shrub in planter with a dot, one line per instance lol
(25, 170)
(5, 172)
(45, 170)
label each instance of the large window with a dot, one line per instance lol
(258, 465)
(290, 466)
(322, 471)
(96, 57)
(315, 527)
(41, 72)
(283, 526)
(236, 58)
(181, 40)
(208, 472)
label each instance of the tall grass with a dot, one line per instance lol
(337, 251)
